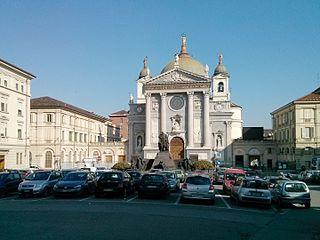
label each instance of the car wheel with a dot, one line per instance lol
(125, 193)
(46, 192)
(280, 203)
(140, 195)
(212, 201)
(182, 200)
(238, 202)
(307, 205)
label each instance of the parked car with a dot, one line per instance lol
(273, 180)
(154, 184)
(180, 175)
(251, 190)
(76, 183)
(174, 182)
(136, 176)
(218, 177)
(114, 182)
(198, 187)
(291, 192)
(9, 182)
(39, 182)
(155, 170)
(230, 176)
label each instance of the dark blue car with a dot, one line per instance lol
(9, 182)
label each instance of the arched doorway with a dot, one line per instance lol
(177, 148)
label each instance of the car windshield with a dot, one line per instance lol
(110, 176)
(99, 173)
(3, 176)
(38, 176)
(152, 178)
(233, 176)
(169, 174)
(295, 187)
(198, 180)
(255, 184)
(75, 176)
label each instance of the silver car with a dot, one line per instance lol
(251, 190)
(198, 186)
(174, 182)
(39, 183)
(291, 192)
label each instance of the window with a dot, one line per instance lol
(48, 161)
(19, 112)
(4, 107)
(220, 87)
(62, 135)
(306, 132)
(22, 89)
(17, 158)
(76, 137)
(49, 117)
(20, 158)
(17, 86)
(19, 134)
(70, 136)
(85, 138)
(5, 83)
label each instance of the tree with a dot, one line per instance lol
(121, 166)
(203, 165)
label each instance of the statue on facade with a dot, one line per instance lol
(163, 142)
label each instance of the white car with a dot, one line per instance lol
(198, 187)
(251, 190)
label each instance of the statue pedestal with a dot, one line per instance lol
(164, 157)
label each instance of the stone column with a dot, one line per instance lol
(190, 119)
(148, 119)
(206, 127)
(163, 112)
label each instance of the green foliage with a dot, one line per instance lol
(203, 165)
(121, 166)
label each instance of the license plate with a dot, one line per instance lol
(108, 190)
(256, 194)
(27, 190)
(151, 186)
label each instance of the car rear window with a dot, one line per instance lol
(111, 176)
(233, 176)
(152, 178)
(75, 176)
(198, 180)
(255, 184)
(295, 187)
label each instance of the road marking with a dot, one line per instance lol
(84, 199)
(178, 200)
(224, 201)
(40, 199)
(129, 200)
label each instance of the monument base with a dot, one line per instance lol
(164, 158)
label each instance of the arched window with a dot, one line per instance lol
(220, 87)
(48, 162)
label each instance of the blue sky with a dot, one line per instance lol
(90, 53)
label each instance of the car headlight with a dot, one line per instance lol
(55, 186)
(78, 186)
(37, 186)
(265, 194)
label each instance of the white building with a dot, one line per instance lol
(63, 135)
(193, 109)
(14, 116)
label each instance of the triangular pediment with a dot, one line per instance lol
(177, 76)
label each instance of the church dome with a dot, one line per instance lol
(220, 69)
(185, 62)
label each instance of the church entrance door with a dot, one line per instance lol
(177, 148)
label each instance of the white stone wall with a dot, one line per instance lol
(15, 97)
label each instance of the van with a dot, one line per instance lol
(230, 176)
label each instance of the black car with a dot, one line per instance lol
(75, 183)
(114, 183)
(154, 184)
(136, 176)
(9, 182)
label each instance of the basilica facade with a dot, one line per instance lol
(191, 107)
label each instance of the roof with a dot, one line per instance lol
(313, 97)
(51, 103)
(14, 68)
(121, 113)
